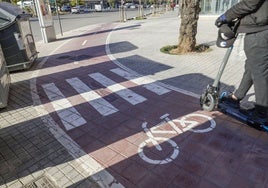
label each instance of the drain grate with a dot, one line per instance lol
(41, 182)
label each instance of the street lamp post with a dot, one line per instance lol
(57, 11)
(122, 12)
(140, 10)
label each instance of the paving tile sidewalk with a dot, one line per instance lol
(29, 152)
(30, 155)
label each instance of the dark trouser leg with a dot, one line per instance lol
(256, 49)
(245, 84)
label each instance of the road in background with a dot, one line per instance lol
(74, 21)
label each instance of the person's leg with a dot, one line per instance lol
(256, 49)
(244, 85)
(233, 99)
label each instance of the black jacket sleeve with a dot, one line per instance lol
(242, 9)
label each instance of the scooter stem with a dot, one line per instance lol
(222, 67)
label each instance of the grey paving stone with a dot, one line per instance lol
(52, 170)
(84, 183)
(11, 180)
(44, 181)
(68, 184)
(76, 178)
(16, 184)
(2, 180)
(33, 168)
(66, 169)
(38, 173)
(3, 186)
(62, 181)
(43, 163)
(4, 122)
(58, 175)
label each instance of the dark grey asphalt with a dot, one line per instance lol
(69, 22)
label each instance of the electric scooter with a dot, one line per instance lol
(211, 99)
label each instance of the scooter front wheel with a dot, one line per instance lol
(207, 102)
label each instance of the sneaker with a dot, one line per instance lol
(261, 112)
(227, 99)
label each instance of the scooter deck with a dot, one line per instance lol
(237, 114)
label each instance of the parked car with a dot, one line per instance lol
(127, 5)
(131, 5)
(53, 9)
(78, 9)
(74, 10)
(134, 6)
(86, 9)
(66, 8)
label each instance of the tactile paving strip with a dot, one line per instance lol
(41, 182)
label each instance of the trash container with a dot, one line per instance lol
(4, 81)
(16, 37)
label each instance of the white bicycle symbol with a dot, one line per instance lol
(187, 125)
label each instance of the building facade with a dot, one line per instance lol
(216, 6)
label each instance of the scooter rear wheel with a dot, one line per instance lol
(207, 102)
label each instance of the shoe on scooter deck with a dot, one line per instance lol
(239, 115)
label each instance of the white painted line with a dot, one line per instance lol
(84, 43)
(115, 61)
(88, 165)
(93, 98)
(151, 137)
(169, 158)
(147, 82)
(69, 116)
(120, 90)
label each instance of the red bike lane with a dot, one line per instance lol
(143, 133)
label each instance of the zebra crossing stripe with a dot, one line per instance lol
(69, 116)
(147, 82)
(94, 99)
(120, 90)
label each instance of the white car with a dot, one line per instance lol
(98, 8)
(78, 9)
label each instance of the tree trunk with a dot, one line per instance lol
(189, 13)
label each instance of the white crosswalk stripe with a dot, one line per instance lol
(93, 98)
(145, 81)
(120, 90)
(69, 116)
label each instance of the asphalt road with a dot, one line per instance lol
(72, 21)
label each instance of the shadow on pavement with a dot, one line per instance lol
(195, 83)
(229, 154)
(99, 32)
(85, 54)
